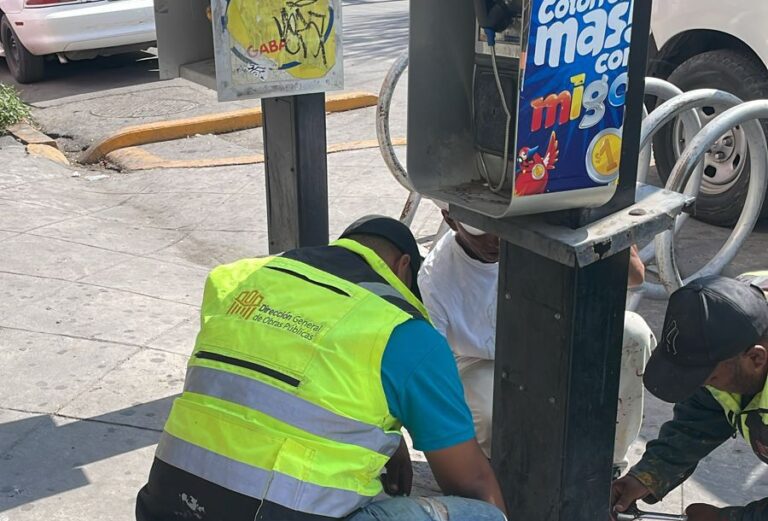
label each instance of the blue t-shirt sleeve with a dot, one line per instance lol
(423, 388)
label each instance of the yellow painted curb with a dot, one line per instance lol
(208, 124)
(134, 158)
(47, 152)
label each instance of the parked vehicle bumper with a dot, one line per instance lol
(78, 27)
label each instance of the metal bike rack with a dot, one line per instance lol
(685, 177)
(681, 105)
(746, 115)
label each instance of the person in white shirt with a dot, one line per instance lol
(458, 283)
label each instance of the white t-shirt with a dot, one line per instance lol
(460, 295)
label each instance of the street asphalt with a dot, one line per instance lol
(101, 274)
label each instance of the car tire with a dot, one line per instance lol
(25, 67)
(726, 179)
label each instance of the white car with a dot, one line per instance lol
(712, 44)
(32, 30)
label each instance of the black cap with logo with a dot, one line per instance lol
(395, 232)
(710, 320)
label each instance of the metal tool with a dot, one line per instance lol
(634, 514)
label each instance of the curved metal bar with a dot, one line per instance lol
(746, 115)
(676, 106)
(680, 105)
(409, 210)
(382, 121)
(644, 159)
(692, 125)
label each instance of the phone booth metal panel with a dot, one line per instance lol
(553, 140)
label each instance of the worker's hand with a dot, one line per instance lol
(626, 491)
(399, 477)
(636, 268)
(703, 512)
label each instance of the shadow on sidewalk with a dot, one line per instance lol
(46, 458)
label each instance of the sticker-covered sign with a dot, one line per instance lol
(573, 85)
(270, 48)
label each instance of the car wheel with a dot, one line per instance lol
(24, 66)
(726, 165)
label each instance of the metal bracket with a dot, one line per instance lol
(654, 212)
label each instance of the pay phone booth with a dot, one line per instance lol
(524, 116)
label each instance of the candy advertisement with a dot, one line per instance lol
(573, 90)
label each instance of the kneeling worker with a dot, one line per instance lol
(459, 282)
(305, 368)
(713, 363)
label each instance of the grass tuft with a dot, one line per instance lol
(12, 108)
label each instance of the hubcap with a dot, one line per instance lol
(724, 162)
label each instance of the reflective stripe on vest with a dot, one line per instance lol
(288, 408)
(256, 482)
(283, 399)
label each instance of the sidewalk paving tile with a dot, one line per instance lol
(207, 249)
(154, 278)
(20, 216)
(239, 213)
(112, 235)
(48, 257)
(164, 211)
(183, 181)
(76, 196)
(7, 235)
(18, 291)
(147, 377)
(100, 314)
(181, 338)
(46, 371)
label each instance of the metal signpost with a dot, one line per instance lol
(288, 54)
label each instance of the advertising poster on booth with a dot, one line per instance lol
(271, 48)
(573, 90)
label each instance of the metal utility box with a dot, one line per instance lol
(252, 49)
(562, 68)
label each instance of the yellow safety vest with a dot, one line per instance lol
(751, 421)
(283, 399)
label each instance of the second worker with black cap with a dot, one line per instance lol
(712, 362)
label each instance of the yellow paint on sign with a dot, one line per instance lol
(297, 36)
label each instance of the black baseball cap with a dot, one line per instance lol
(710, 320)
(395, 232)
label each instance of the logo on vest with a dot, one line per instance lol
(250, 305)
(246, 304)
